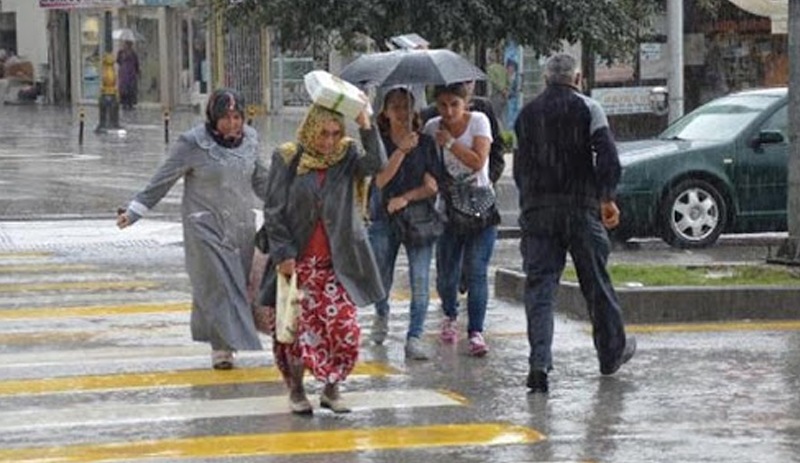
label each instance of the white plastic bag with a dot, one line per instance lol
(330, 91)
(287, 309)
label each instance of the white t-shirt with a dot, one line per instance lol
(478, 126)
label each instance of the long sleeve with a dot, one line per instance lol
(373, 159)
(261, 180)
(175, 167)
(281, 242)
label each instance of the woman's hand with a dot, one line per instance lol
(398, 203)
(286, 268)
(123, 219)
(363, 118)
(409, 142)
(442, 137)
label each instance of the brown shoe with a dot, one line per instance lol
(300, 405)
(332, 400)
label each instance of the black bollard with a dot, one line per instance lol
(166, 125)
(82, 121)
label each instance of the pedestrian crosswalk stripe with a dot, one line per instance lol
(94, 311)
(25, 255)
(186, 378)
(124, 413)
(77, 286)
(288, 443)
(42, 268)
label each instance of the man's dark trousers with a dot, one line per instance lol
(549, 233)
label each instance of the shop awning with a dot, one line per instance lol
(776, 10)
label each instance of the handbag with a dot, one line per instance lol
(418, 224)
(470, 207)
(287, 309)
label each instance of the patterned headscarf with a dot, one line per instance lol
(309, 130)
(312, 160)
(219, 103)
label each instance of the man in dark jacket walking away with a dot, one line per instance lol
(566, 169)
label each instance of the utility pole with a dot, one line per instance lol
(789, 251)
(675, 45)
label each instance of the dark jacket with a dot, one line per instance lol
(295, 203)
(566, 156)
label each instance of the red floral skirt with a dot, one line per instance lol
(328, 334)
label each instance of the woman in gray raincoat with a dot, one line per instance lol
(220, 164)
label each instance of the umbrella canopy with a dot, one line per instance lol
(399, 67)
(126, 35)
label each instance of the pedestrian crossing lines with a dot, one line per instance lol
(82, 381)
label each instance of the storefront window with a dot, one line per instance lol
(90, 55)
(194, 66)
(147, 49)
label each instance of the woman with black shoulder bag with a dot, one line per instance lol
(464, 139)
(403, 212)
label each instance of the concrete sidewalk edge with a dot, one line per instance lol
(670, 304)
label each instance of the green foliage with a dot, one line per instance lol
(610, 25)
(720, 275)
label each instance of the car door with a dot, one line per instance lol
(759, 174)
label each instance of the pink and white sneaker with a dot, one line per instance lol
(477, 345)
(449, 331)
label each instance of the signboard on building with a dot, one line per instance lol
(70, 4)
(623, 100)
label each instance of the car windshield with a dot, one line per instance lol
(719, 120)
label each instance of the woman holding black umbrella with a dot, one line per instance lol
(410, 177)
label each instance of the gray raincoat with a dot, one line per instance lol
(296, 203)
(218, 230)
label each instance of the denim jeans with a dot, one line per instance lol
(475, 250)
(386, 245)
(544, 247)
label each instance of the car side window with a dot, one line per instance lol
(779, 122)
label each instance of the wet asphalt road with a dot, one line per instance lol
(96, 362)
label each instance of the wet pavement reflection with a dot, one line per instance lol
(96, 362)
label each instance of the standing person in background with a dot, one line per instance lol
(566, 169)
(219, 162)
(465, 138)
(411, 175)
(128, 66)
(498, 86)
(514, 97)
(314, 228)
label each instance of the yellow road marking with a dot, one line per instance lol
(45, 338)
(186, 378)
(289, 443)
(25, 255)
(787, 325)
(94, 311)
(35, 268)
(76, 286)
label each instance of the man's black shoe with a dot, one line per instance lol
(537, 382)
(627, 354)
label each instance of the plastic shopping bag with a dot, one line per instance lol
(287, 309)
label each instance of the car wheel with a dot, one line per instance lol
(693, 214)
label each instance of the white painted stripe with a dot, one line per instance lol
(105, 414)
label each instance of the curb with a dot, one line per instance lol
(670, 304)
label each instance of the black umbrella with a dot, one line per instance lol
(403, 67)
